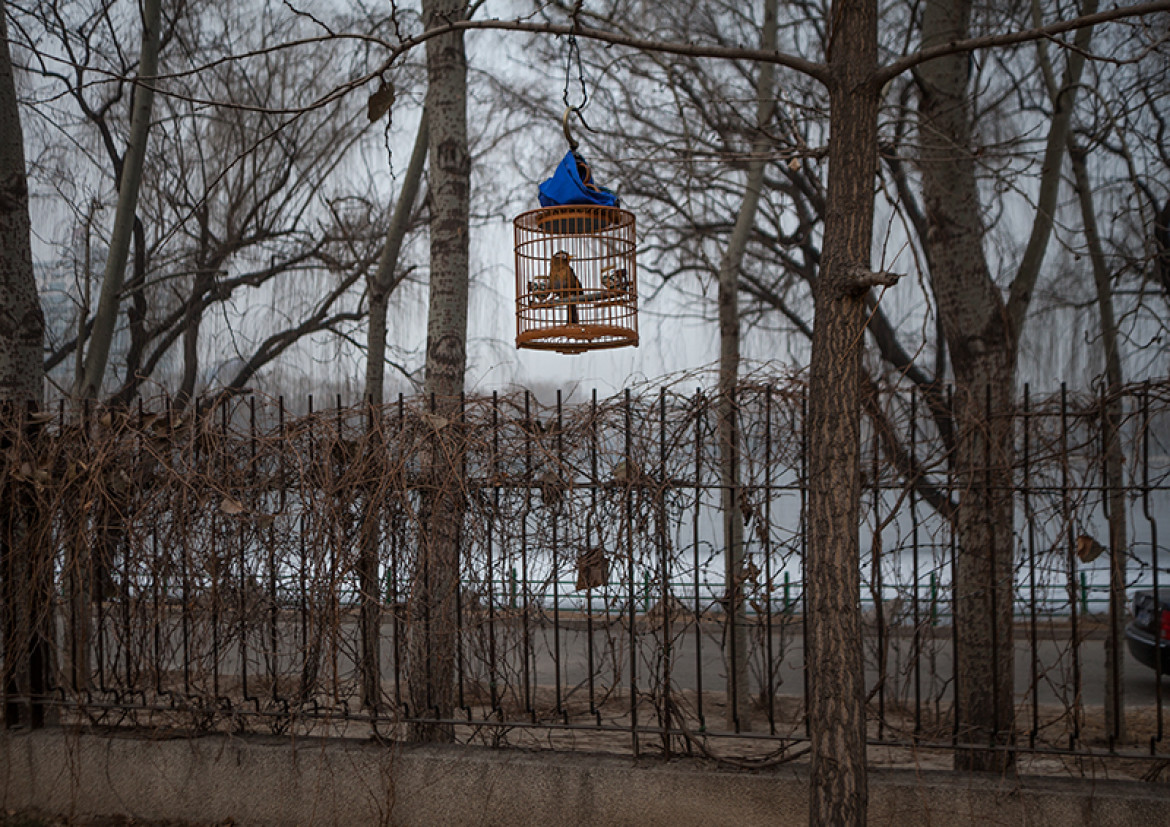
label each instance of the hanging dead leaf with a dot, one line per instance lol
(1088, 549)
(794, 164)
(592, 569)
(231, 506)
(625, 472)
(552, 490)
(380, 102)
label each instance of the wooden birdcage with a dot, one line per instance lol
(601, 248)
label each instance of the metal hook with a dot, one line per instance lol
(568, 133)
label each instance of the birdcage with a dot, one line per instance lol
(592, 306)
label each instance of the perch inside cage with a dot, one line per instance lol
(576, 280)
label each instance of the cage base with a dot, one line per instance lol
(577, 338)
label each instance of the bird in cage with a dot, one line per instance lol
(615, 279)
(563, 282)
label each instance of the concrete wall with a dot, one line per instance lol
(262, 781)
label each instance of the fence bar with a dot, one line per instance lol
(875, 554)
(1154, 550)
(1065, 495)
(770, 670)
(396, 601)
(917, 640)
(954, 546)
(593, 551)
(804, 551)
(1034, 666)
(558, 496)
(629, 533)
(494, 475)
(664, 602)
(700, 424)
(461, 701)
(529, 427)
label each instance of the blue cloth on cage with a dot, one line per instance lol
(572, 183)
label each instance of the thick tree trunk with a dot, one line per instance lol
(736, 640)
(983, 354)
(26, 572)
(432, 644)
(22, 325)
(982, 333)
(833, 591)
(129, 180)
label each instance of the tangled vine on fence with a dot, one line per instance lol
(229, 562)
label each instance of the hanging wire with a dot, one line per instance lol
(573, 55)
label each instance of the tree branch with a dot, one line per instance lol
(817, 71)
(888, 73)
(859, 279)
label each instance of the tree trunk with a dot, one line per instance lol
(22, 325)
(432, 644)
(833, 590)
(106, 317)
(735, 652)
(1111, 416)
(381, 285)
(25, 562)
(386, 278)
(983, 350)
(982, 334)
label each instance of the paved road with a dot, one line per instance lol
(921, 669)
(1056, 664)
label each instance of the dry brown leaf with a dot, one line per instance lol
(380, 102)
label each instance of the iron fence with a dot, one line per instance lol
(230, 565)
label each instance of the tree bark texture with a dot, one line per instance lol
(26, 570)
(735, 647)
(833, 590)
(434, 598)
(22, 325)
(106, 316)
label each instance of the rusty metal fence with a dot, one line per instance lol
(234, 566)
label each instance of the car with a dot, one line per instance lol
(1149, 631)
